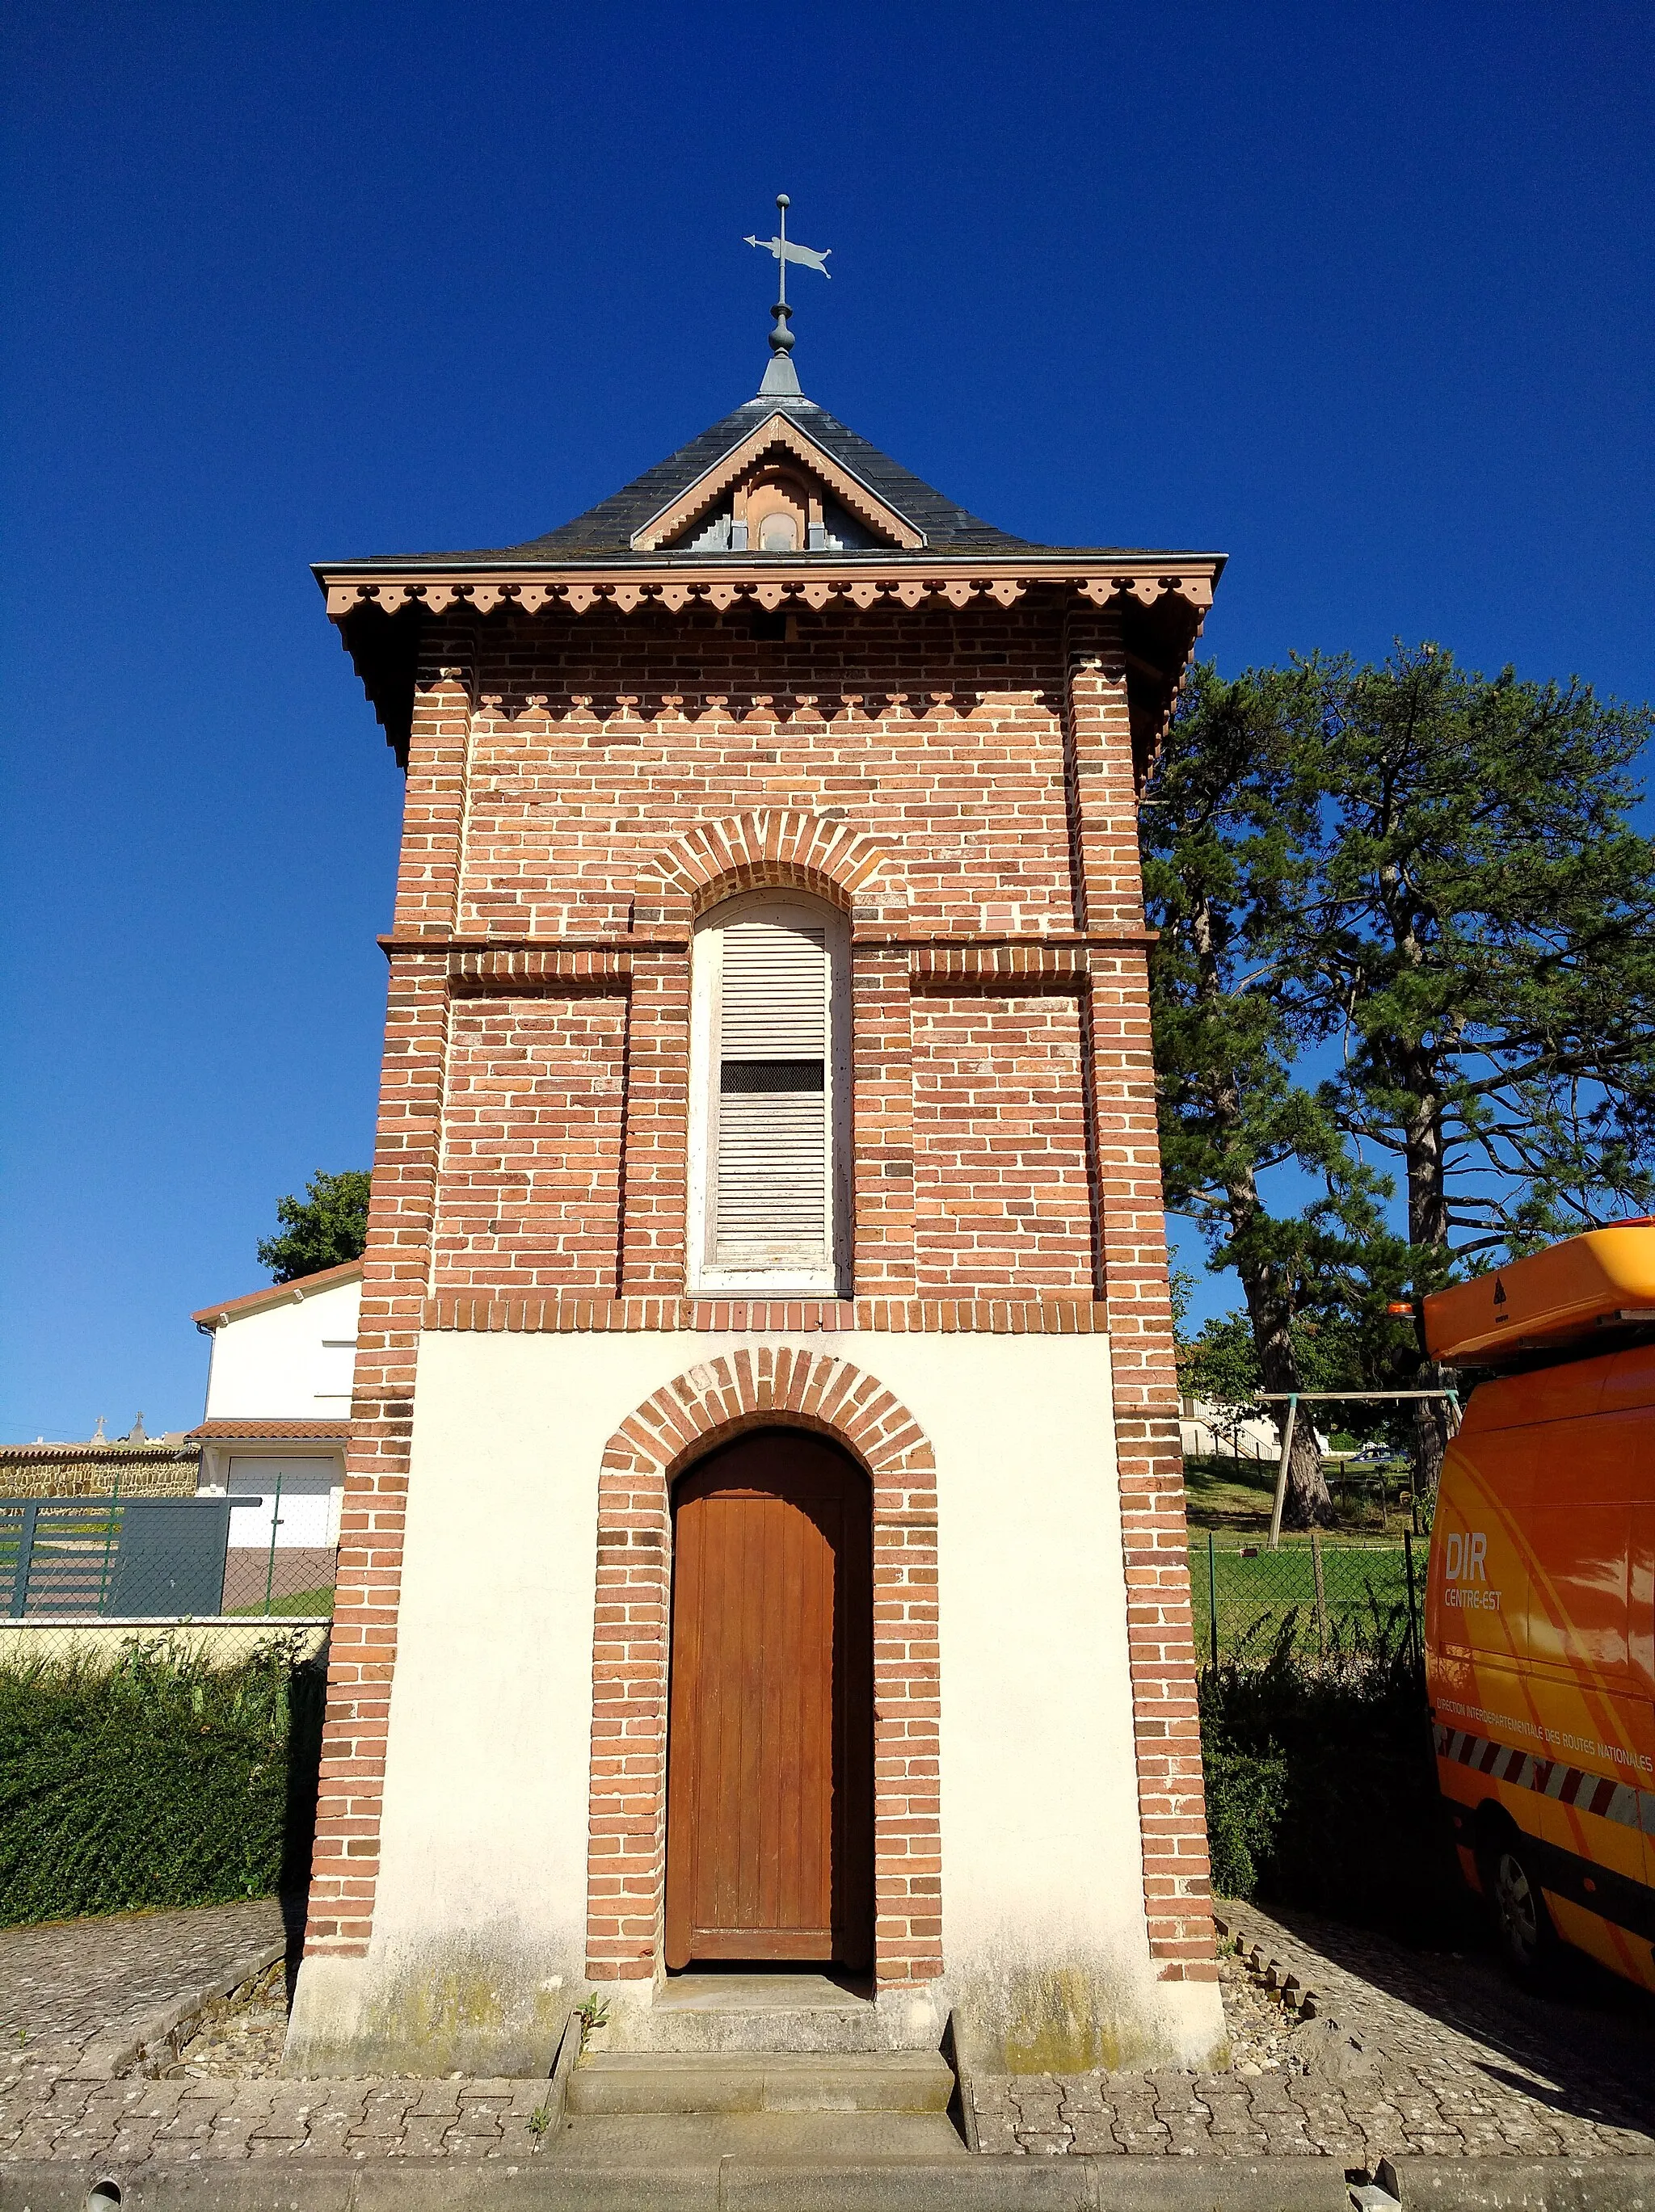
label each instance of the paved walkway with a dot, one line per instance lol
(78, 1984)
(1407, 2053)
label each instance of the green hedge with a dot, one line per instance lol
(163, 1782)
(1321, 1789)
(158, 1782)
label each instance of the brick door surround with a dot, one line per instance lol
(764, 1386)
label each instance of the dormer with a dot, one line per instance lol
(777, 492)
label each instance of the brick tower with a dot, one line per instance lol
(764, 1536)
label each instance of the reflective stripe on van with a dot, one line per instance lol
(1570, 1785)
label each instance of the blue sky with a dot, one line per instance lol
(1359, 295)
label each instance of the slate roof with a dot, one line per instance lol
(605, 532)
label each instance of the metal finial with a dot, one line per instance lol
(781, 378)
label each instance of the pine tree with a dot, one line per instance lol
(328, 1225)
(1478, 930)
(1227, 828)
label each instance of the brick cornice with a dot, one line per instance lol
(806, 581)
(1061, 1316)
(622, 944)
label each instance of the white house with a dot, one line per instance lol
(279, 1409)
(1212, 1431)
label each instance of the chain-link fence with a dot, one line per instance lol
(82, 1576)
(1326, 1601)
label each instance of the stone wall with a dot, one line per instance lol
(98, 1470)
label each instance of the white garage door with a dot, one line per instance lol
(306, 1511)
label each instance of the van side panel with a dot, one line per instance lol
(1594, 1708)
(1541, 1646)
(1477, 1619)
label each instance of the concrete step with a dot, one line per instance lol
(610, 2083)
(664, 2146)
(748, 2013)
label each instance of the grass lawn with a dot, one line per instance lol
(1364, 1586)
(1228, 1493)
(308, 1605)
(1236, 1495)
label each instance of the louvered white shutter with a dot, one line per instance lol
(771, 1109)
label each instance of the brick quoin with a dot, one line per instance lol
(678, 1424)
(957, 772)
(1132, 1228)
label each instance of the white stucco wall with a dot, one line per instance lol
(288, 1362)
(481, 1910)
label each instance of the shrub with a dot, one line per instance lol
(160, 1781)
(1321, 1790)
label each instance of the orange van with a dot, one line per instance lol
(1540, 1598)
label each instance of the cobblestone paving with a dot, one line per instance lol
(1411, 2053)
(241, 2040)
(1594, 2036)
(76, 1981)
(44, 2115)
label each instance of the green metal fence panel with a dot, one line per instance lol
(171, 1559)
(142, 1559)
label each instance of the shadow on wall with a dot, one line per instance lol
(307, 1704)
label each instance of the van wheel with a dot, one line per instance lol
(1522, 1927)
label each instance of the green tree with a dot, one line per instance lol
(1476, 930)
(1229, 825)
(1219, 1365)
(329, 1224)
(1333, 1350)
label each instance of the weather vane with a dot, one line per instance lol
(781, 376)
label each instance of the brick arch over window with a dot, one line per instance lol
(764, 1387)
(780, 846)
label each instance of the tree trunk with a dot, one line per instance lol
(1309, 1503)
(1427, 1229)
(1429, 1441)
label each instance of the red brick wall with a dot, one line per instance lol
(529, 1195)
(598, 742)
(1002, 1195)
(961, 781)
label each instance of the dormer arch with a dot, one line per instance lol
(778, 474)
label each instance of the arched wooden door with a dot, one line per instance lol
(769, 1803)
